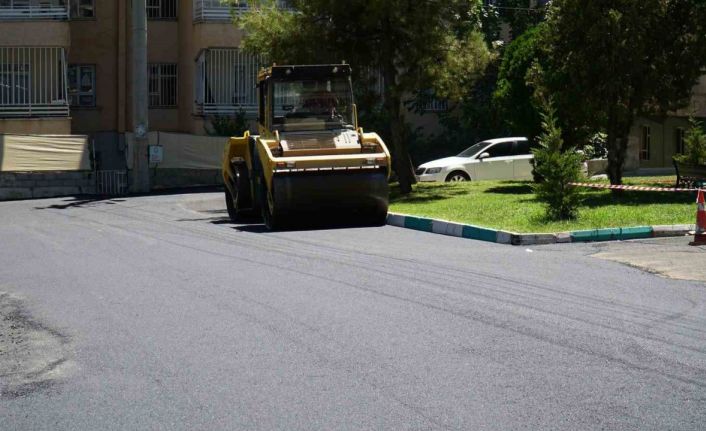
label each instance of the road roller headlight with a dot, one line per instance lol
(285, 166)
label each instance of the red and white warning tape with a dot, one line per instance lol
(635, 188)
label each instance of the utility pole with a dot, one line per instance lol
(140, 178)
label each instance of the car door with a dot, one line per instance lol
(522, 160)
(499, 164)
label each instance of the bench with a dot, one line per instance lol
(689, 175)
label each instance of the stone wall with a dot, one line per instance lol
(27, 185)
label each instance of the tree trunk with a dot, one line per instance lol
(617, 142)
(401, 159)
(615, 160)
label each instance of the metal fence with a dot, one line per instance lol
(33, 82)
(219, 10)
(436, 105)
(225, 81)
(111, 183)
(33, 9)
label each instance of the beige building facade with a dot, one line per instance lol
(65, 67)
(654, 141)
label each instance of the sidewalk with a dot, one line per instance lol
(670, 257)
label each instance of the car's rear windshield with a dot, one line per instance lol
(473, 150)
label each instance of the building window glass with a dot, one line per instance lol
(163, 85)
(161, 9)
(82, 9)
(82, 84)
(645, 144)
(679, 140)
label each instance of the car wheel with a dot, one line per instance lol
(457, 176)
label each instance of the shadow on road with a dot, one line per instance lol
(77, 202)
(298, 225)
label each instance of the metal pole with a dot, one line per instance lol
(140, 177)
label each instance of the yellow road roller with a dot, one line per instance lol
(311, 161)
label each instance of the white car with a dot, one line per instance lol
(494, 159)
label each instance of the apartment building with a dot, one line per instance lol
(65, 66)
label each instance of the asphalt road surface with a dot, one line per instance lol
(159, 314)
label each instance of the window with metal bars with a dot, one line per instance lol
(163, 85)
(161, 9)
(81, 85)
(645, 144)
(82, 9)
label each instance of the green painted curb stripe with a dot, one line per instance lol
(480, 233)
(611, 234)
(491, 235)
(417, 223)
(638, 232)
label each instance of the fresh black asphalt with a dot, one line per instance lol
(176, 319)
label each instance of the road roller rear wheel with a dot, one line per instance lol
(230, 206)
(379, 219)
(270, 215)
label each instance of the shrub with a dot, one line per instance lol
(694, 145)
(556, 168)
(228, 126)
(596, 147)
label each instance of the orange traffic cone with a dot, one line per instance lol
(700, 234)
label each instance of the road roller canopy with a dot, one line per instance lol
(307, 98)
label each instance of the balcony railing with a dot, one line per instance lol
(224, 10)
(33, 82)
(225, 82)
(33, 10)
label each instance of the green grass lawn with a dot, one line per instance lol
(511, 206)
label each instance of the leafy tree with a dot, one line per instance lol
(228, 126)
(416, 46)
(513, 96)
(612, 60)
(520, 15)
(694, 144)
(473, 119)
(557, 167)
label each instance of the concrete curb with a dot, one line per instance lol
(443, 227)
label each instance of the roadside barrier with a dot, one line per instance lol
(632, 188)
(700, 231)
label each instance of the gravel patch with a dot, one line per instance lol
(32, 355)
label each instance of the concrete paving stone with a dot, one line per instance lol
(439, 226)
(563, 237)
(534, 239)
(671, 230)
(395, 220)
(454, 229)
(504, 237)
